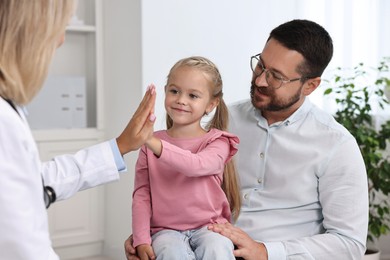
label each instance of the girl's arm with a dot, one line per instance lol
(209, 160)
(142, 204)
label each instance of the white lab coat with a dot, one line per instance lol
(24, 231)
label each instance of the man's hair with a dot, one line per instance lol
(309, 39)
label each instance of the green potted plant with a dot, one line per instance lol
(358, 93)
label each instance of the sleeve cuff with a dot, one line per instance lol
(120, 163)
(275, 250)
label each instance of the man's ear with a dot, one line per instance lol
(311, 85)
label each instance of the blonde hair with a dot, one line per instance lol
(29, 35)
(219, 121)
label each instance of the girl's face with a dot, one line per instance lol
(188, 96)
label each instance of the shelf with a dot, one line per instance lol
(74, 83)
(79, 57)
(81, 28)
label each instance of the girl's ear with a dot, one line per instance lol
(213, 104)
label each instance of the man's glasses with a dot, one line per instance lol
(274, 79)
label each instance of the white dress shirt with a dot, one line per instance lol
(24, 231)
(303, 184)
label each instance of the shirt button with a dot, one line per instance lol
(259, 180)
(246, 196)
(261, 155)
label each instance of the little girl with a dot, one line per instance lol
(185, 178)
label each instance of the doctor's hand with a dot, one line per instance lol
(247, 248)
(131, 253)
(140, 127)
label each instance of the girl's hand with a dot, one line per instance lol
(131, 253)
(145, 252)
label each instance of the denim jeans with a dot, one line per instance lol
(197, 244)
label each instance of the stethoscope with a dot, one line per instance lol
(49, 195)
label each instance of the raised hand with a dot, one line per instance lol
(140, 127)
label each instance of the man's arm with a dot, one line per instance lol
(344, 199)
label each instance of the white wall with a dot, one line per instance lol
(123, 92)
(230, 31)
(143, 39)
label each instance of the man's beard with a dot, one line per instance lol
(275, 104)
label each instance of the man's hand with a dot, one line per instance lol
(247, 248)
(140, 127)
(131, 253)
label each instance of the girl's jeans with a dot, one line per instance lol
(196, 244)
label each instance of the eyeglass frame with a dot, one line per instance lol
(264, 69)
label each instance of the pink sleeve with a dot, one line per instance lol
(141, 207)
(208, 161)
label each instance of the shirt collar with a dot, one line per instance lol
(296, 116)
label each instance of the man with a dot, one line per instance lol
(303, 179)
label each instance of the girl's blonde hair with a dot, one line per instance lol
(220, 121)
(30, 31)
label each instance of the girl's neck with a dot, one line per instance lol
(186, 131)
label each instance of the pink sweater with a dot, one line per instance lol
(181, 189)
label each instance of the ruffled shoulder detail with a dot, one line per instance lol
(233, 140)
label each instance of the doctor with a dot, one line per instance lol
(30, 32)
